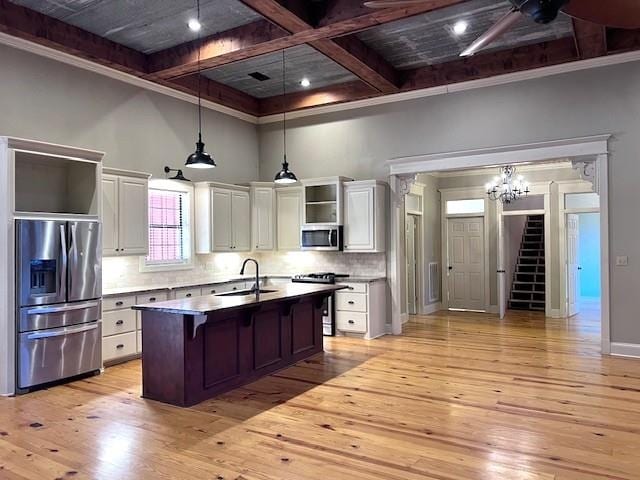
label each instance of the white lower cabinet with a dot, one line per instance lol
(361, 309)
(118, 347)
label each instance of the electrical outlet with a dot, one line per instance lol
(622, 261)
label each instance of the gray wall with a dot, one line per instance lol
(47, 100)
(602, 100)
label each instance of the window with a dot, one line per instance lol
(456, 207)
(169, 228)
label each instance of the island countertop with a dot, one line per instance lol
(206, 304)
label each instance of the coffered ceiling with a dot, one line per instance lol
(345, 50)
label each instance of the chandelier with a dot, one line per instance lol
(507, 187)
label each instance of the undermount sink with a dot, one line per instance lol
(239, 293)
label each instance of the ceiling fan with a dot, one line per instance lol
(613, 13)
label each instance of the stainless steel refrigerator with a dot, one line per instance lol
(58, 290)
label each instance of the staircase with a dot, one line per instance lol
(527, 289)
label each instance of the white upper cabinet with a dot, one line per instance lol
(263, 216)
(223, 218)
(289, 206)
(364, 225)
(221, 234)
(125, 213)
(241, 221)
(109, 214)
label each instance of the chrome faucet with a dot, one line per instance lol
(256, 287)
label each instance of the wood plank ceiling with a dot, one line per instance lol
(346, 50)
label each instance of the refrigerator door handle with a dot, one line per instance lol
(63, 257)
(73, 253)
(62, 331)
(60, 309)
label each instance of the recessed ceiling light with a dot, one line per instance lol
(194, 25)
(305, 82)
(460, 27)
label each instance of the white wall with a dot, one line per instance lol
(46, 100)
(602, 100)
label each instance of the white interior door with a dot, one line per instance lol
(410, 236)
(466, 263)
(573, 269)
(502, 270)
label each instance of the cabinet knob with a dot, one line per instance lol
(351, 322)
(120, 322)
(152, 299)
(213, 291)
(119, 346)
(188, 295)
(119, 303)
(351, 302)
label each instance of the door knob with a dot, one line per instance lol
(450, 267)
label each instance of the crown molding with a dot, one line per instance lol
(488, 170)
(462, 86)
(68, 59)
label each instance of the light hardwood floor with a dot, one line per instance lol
(458, 396)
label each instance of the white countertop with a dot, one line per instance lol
(217, 280)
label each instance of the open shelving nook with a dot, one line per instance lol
(52, 184)
(323, 201)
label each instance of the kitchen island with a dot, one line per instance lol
(196, 348)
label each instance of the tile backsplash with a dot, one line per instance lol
(120, 272)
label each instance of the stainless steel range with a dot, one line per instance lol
(58, 298)
(328, 311)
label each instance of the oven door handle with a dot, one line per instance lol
(62, 331)
(61, 309)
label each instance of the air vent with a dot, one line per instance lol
(261, 77)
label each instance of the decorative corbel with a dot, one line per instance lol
(588, 170)
(403, 186)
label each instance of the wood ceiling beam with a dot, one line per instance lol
(473, 68)
(258, 38)
(620, 40)
(221, 48)
(349, 52)
(332, 94)
(591, 39)
(27, 24)
(216, 92)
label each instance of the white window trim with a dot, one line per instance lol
(182, 187)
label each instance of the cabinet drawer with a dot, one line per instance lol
(353, 287)
(151, 297)
(351, 321)
(118, 321)
(118, 346)
(187, 292)
(352, 302)
(118, 303)
(139, 341)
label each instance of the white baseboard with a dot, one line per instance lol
(625, 349)
(431, 308)
(493, 309)
(556, 313)
(404, 317)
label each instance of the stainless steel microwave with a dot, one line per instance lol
(322, 237)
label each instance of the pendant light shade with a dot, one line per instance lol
(285, 175)
(199, 158)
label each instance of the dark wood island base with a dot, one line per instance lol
(197, 348)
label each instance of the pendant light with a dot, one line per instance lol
(199, 158)
(285, 175)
